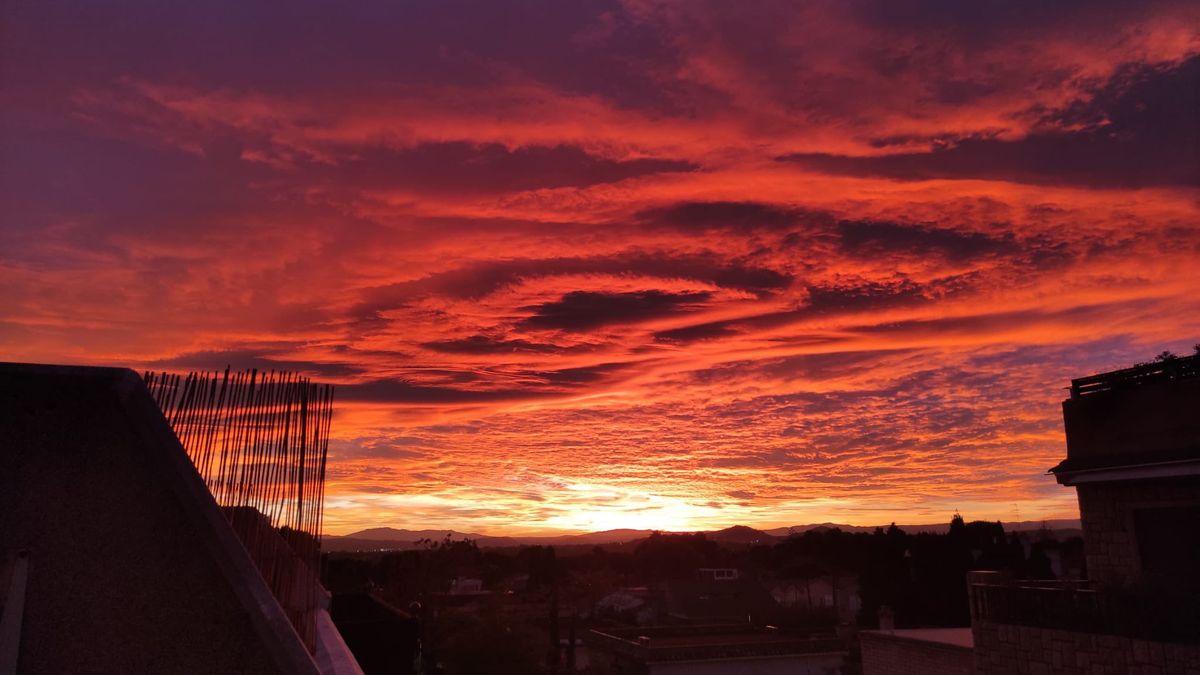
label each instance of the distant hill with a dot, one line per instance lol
(934, 528)
(388, 538)
(740, 534)
(392, 534)
(379, 538)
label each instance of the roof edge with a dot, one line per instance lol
(1147, 470)
(218, 538)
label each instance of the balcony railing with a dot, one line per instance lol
(1176, 368)
(1147, 614)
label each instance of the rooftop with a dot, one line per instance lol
(719, 600)
(1177, 368)
(1137, 422)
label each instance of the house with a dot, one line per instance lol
(466, 586)
(717, 574)
(838, 593)
(634, 605)
(708, 600)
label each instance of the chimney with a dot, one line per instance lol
(887, 618)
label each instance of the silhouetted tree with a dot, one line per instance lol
(1038, 565)
(675, 556)
(541, 563)
(485, 643)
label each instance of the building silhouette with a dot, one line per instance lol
(1133, 457)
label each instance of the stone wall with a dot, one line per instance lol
(1106, 511)
(884, 654)
(1004, 649)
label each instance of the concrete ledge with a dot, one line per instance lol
(155, 444)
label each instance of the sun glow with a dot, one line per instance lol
(635, 511)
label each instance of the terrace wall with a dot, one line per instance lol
(1063, 627)
(884, 654)
(1002, 649)
(1134, 412)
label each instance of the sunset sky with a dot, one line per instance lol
(588, 265)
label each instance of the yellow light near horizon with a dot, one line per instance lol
(666, 518)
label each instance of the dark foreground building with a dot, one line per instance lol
(1133, 456)
(114, 555)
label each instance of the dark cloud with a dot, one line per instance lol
(936, 141)
(737, 216)
(402, 391)
(696, 333)
(239, 359)
(486, 344)
(859, 237)
(1138, 130)
(48, 175)
(758, 280)
(461, 167)
(989, 22)
(319, 46)
(991, 323)
(582, 310)
(838, 299)
(470, 387)
(585, 374)
(826, 300)
(481, 279)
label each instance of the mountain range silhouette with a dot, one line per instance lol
(377, 538)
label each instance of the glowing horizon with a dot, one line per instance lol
(638, 264)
